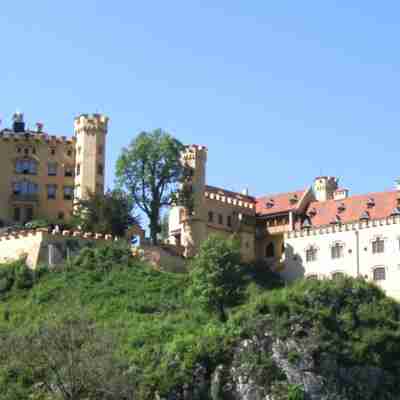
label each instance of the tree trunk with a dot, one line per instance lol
(221, 313)
(154, 228)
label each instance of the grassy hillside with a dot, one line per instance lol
(162, 333)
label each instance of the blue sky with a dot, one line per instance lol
(280, 92)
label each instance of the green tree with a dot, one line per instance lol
(150, 169)
(70, 359)
(111, 212)
(216, 274)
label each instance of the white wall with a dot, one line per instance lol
(296, 244)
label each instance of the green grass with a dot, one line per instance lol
(163, 332)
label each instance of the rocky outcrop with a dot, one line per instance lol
(265, 367)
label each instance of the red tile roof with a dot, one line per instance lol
(214, 189)
(353, 207)
(278, 203)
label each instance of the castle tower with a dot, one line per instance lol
(324, 187)
(90, 132)
(194, 224)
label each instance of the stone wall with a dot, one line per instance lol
(41, 246)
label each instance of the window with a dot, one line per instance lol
(52, 169)
(68, 171)
(69, 152)
(60, 215)
(270, 250)
(51, 191)
(25, 187)
(379, 274)
(229, 220)
(337, 250)
(378, 246)
(210, 216)
(19, 149)
(100, 169)
(17, 214)
(26, 151)
(68, 192)
(29, 214)
(26, 166)
(100, 150)
(220, 219)
(78, 169)
(52, 152)
(311, 254)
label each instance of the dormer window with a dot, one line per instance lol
(312, 212)
(270, 203)
(294, 199)
(341, 208)
(370, 203)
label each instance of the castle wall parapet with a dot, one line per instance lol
(334, 228)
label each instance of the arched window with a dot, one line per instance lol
(379, 274)
(270, 250)
(337, 250)
(26, 166)
(311, 254)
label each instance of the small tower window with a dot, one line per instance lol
(100, 150)
(100, 169)
(210, 216)
(69, 152)
(270, 250)
(52, 151)
(229, 220)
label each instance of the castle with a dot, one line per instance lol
(42, 174)
(316, 232)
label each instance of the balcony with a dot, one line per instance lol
(25, 197)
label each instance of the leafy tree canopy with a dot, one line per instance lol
(216, 274)
(109, 213)
(149, 169)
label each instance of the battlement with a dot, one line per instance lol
(334, 228)
(230, 198)
(41, 245)
(91, 123)
(32, 136)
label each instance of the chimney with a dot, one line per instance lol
(18, 122)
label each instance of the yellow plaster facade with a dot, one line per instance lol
(42, 174)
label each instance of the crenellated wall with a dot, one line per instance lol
(358, 258)
(42, 246)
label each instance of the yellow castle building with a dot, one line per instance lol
(42, 174)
